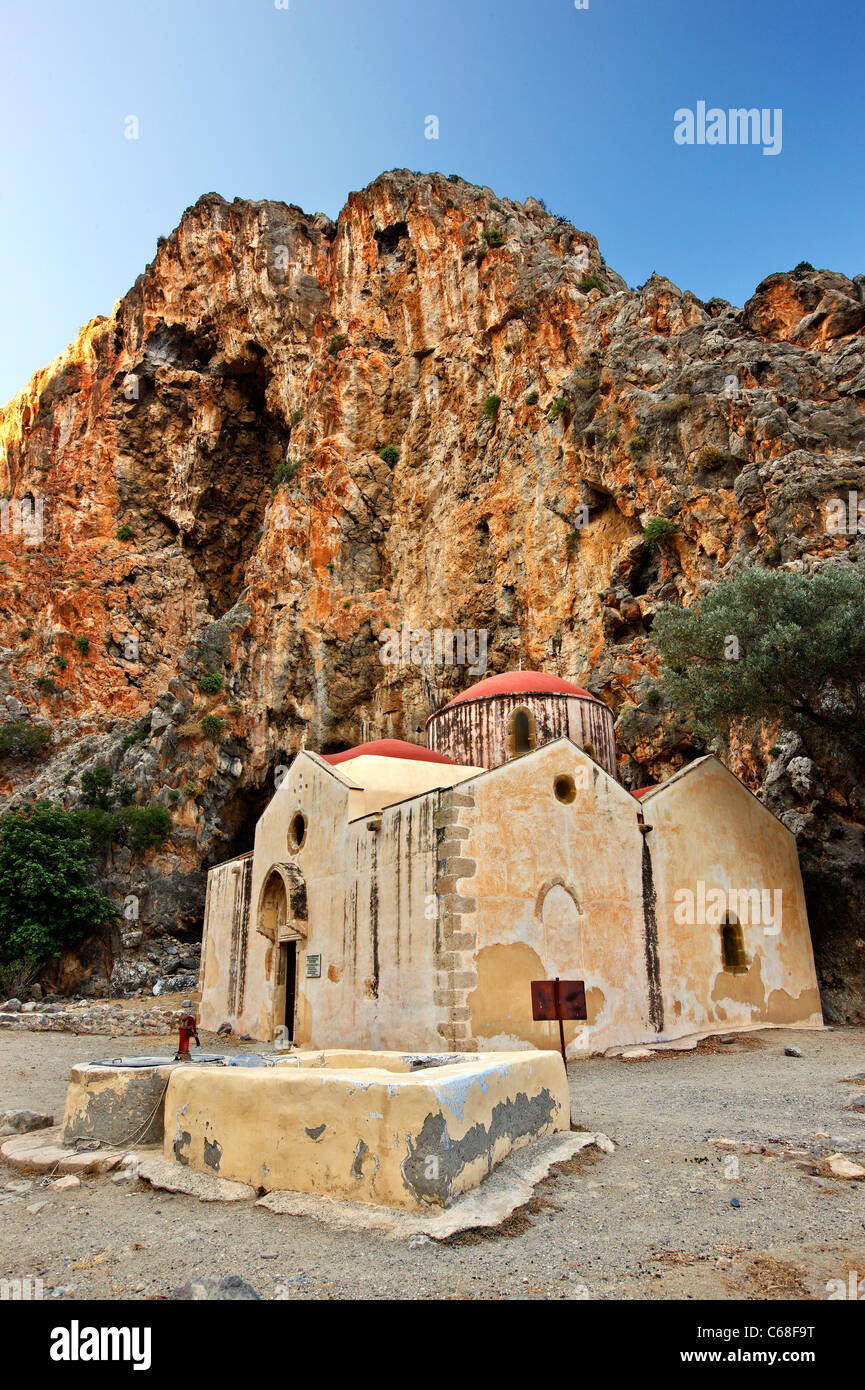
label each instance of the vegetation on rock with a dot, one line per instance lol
(47, 897)
(770, 644)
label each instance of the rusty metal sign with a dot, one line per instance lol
(555, 999)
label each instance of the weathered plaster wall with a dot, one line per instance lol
(370, 913)
(558, 891)
(372, 1135)
(707, 826)
(235, 964)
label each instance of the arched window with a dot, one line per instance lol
(523, 735)
(733, 948)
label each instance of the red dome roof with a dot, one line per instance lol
(520, 683)
(389, 748)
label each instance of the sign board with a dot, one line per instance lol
(570, 1004)
(555, 1000)
(313, 967)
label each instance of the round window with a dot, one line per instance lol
(296, 832)
(565, 788)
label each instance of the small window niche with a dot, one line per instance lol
(523, 736)
(733, 948)
(565, 788)
(296, 832)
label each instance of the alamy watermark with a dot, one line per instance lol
(845, 518)
(26, 1289)
(738, 126)
(22, 518)
(715, 906)
(853, 1288)
(443, 647)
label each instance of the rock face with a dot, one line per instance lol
(542, 412)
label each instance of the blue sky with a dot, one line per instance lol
(308, 102)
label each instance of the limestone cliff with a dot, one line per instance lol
(521, 381)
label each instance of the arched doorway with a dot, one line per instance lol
(282, 917)
(273, 912)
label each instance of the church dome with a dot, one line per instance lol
(388, 748)
(519, 683)
(504, 716)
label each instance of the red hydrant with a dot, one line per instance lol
(188, 1029)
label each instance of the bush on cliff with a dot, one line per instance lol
(658, 530)
(210, 683)
(47, 897)
(768, 644)
(148, 826)
(18, 738)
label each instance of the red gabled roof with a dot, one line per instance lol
(520, 683)
(389, 748)
(641, 791)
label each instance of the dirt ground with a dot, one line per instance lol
(653, 1221)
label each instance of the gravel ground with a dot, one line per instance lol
(654, 1220)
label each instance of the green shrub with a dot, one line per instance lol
(61, 663)
(710, 456)
(124, 793)
(491, 407)
(671, 410)
(773, 554)
(532, 398)
(636, 445)
(148, 827)
(803, 268)
(296, 417)
(124, 533)
(96, 784)
(658, 530)
(336, 344)
(284, 473)
(20, 738)
(389, 455)
(211, 727)
(593, 282)
(102, 827)
(799, 638)
(138, 735)
(493, 236)
(560, 406)
(46, 685)
(210, 683)
(47, 898)
(82, 644)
